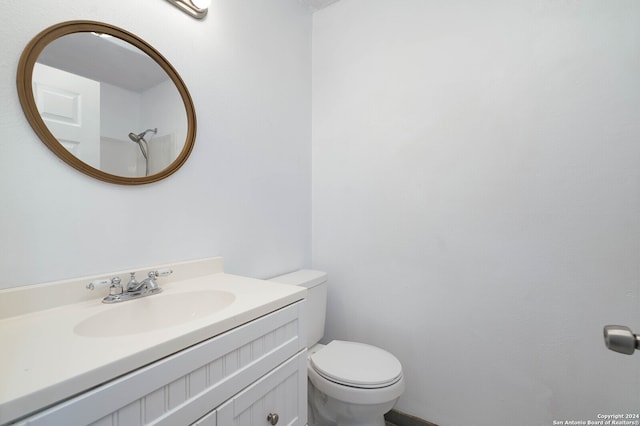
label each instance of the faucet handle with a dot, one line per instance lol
(98, 284)
(113, 283)
(160, 273)
(116, 287)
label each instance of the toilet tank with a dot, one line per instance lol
(316, 284)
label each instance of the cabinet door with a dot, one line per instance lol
(281, 393)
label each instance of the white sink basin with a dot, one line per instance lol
(154, 312)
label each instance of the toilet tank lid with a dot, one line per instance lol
(304, 277)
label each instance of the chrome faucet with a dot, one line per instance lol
(148, 284)
(135, 289)
(133, 285)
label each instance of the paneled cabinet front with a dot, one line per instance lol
(279, 398)
(219, 382)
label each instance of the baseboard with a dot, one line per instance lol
(401, 419)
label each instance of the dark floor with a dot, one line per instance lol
(397, 418)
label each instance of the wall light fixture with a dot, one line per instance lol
(196, 8)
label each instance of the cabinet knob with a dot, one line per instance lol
(273, 418)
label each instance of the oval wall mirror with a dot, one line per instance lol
(106, 102)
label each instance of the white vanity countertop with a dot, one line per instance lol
(44, 361)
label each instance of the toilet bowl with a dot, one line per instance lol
(349, 383)
(352, 384)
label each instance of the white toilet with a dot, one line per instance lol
(350, 384)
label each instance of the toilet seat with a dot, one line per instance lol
(356, 365)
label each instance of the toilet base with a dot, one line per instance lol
(326, 411)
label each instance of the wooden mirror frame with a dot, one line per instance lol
(27, 100)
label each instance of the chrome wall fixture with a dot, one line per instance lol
(620, 338)
(196, 8)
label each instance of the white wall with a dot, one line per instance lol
(476, 181)
(244, 192)
(120, 112)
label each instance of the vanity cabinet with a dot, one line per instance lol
(237, 378)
